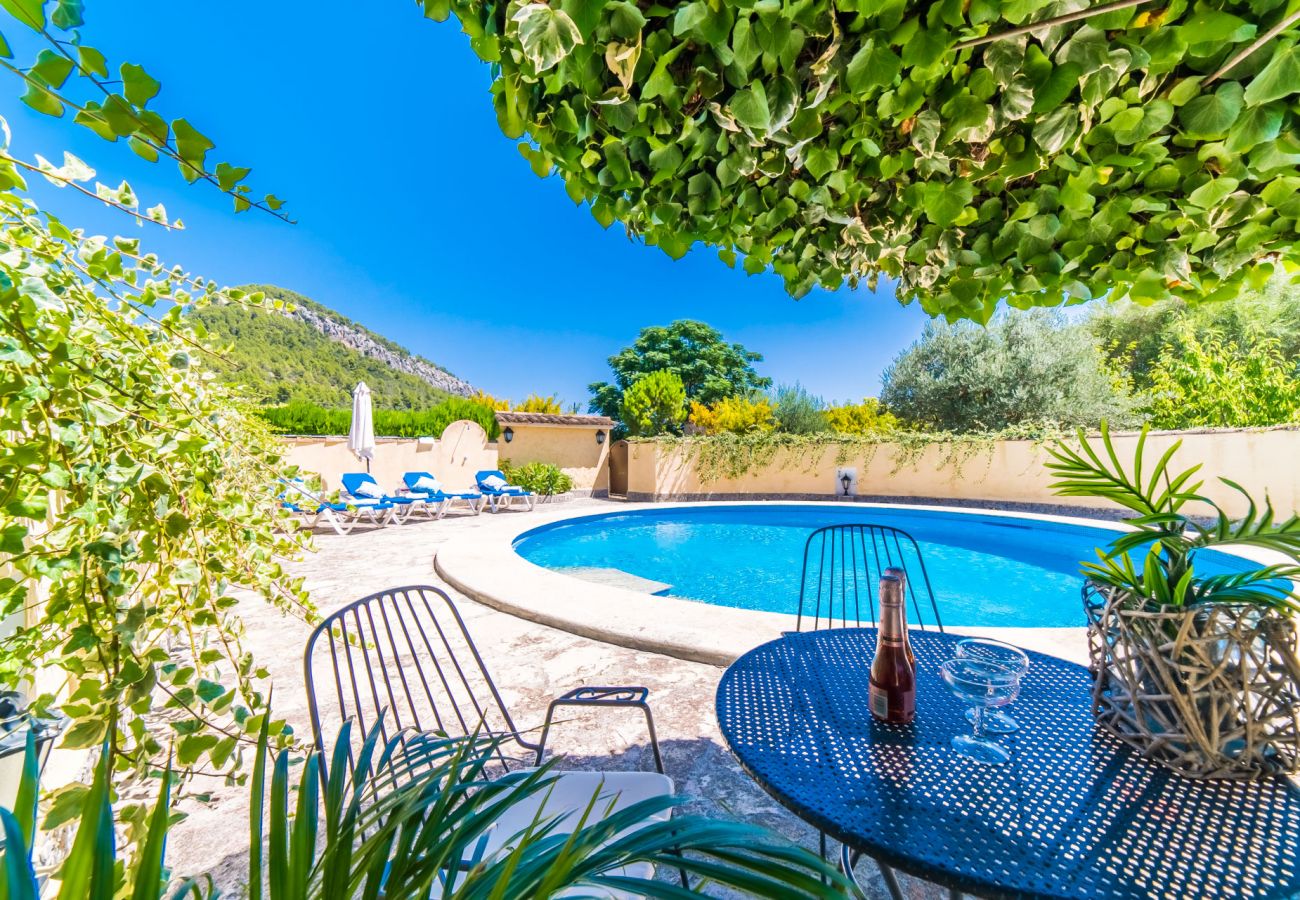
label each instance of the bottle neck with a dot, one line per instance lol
(892, 627)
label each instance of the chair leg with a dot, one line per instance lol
(849, 858)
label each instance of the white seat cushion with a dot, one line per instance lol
(425, 483)
(369, 489)
(569, 795)
(496, 482)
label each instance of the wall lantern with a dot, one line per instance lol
(600, 437)
(846, 480)
(508, 434)
(15, 726)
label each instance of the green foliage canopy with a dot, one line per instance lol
(1022, 369)
(710, 369)
(861, 419)
(654, 404)
(733, 415)
(1143, 152)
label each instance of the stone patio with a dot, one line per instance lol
(531, 663)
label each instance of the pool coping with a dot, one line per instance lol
(484, 566)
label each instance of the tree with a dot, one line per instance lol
(1136, 337)
(973, 152)
(1219, 384)
(865, 418)
(1024, 368)
(733, 415)
(710, 369)
(654, 404)
(799, 412)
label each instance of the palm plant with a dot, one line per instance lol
(1170, 537)
(409, 818)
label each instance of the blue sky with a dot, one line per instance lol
(416, 216)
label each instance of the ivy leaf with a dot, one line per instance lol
(1212, 193)
(546, 35)
(137, 85)
(52, 68)
(228, 176)
(92, 61)
(625, 19)
(1211, 115)
(69, 14)
(192, 147)
(944, 201)
(30, 12)
(872, 66)
(41, 100)
(1060, 84)
(1055, 130)
(1259, 124)
(1280, 78)
(749, 106)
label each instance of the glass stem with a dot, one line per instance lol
(979, 722)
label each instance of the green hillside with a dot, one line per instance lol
(281, 359)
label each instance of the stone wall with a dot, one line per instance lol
(1008, 472)
(571, 447)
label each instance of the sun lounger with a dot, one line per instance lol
(501, 494)
(361, 487)
(424, 484)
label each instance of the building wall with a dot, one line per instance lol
(462, 450)
(571, 447)
(1261, 460)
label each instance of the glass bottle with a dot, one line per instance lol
(892, 695)
(902, 592)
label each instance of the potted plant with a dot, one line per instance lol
(1197, 670)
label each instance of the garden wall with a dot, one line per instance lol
(462, 450)
(1004, 471)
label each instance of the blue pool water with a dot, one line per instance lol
(986, 570)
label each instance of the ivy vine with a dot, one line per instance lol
(720, 457)
(974, 150)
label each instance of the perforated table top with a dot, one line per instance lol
(1075, 813)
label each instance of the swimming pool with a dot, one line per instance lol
(986, 569)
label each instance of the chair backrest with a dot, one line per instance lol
(842, 565)
(353, 480)
(410, 478)
(488, 473)
(406, 653)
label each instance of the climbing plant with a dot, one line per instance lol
(972, 150)
(134, 495)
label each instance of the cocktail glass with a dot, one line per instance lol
(995, 720)
(981, 685)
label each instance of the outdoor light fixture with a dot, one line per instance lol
(846, 481)
(600, 437)
(508, 434)
(15, 724)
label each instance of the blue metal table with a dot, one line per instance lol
(1075, 814)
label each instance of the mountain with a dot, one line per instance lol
(311, 354)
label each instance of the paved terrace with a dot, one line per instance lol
(531, 663)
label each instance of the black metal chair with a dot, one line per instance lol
(842, 565)
(404, 659)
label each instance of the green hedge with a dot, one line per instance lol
(308, 418)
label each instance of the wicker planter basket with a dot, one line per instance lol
(1213, 692)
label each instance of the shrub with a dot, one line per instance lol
(536, 403)
(541, 478)
(1025, 367)
(1217, 384)
(483, 398)
(799, 412)
(307, 418)
(734, 415)
(654, 404)
(865, 418)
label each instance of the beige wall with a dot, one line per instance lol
(462, 450)
(571, 447)
(1264, 460)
